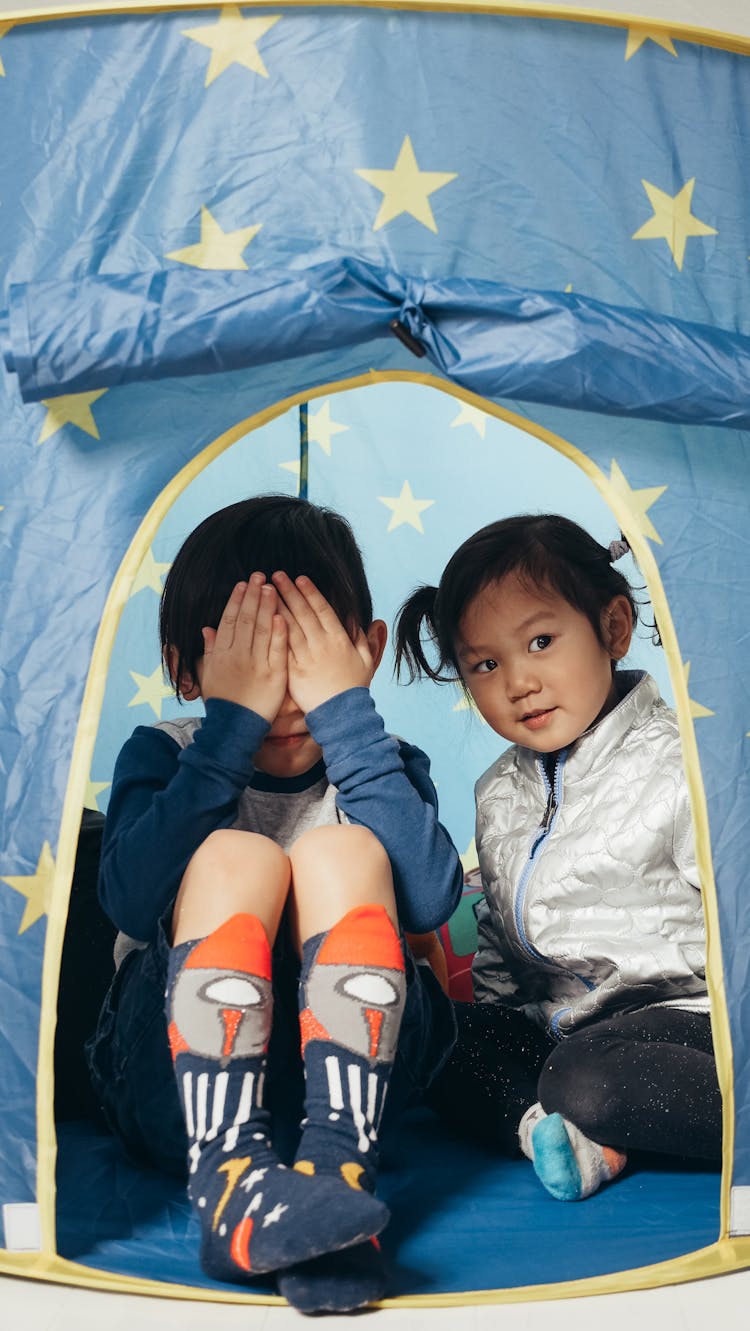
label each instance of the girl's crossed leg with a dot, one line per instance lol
(643, 1081)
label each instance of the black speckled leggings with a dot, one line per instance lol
(641, 1081)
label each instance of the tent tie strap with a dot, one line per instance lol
(402, 333)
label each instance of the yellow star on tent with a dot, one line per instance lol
(149, 575)
(70, 409)
(293, 467)
(36, 888)
(696, 708)
(406, 509)
(4, 27)
(216, 250)
(469, 415)
(406, 189)
(470, 859)
(638, 36)
(467, 704)
(638, 502)
(152, 690)
(93, 791)
(232, 40)
(321, 429)
(672, 220)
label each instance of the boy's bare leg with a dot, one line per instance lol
(232, 873)
(335, 869)
(255, 1215)
(352, 991)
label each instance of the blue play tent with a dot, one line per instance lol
(216, 224)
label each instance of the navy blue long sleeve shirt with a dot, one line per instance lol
(166, 800)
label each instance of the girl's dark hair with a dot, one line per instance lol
(544, 551)
(270, 533)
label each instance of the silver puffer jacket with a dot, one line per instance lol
(591, 900)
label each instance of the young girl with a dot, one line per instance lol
(591, 1034)
(259, 861)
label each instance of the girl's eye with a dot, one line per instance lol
(539, 643)
(484, 667)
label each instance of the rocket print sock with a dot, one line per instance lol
(256, 1215)
(338, 1283)
(352, 991)
(570, 1165)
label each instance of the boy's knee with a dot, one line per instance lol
(229, 851)
(335, 869)
(231, 873)
(340, 844)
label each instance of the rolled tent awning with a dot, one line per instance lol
(496, 340)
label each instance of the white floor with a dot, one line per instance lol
(719, 1304)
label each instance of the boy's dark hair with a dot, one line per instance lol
(543, 550)
(269, 534)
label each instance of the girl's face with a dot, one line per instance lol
(534, 666)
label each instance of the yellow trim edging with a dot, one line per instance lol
(698, 33)
(47, 1264)
(719, 1258)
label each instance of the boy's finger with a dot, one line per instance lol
(248, 612)
(363, 647)
(225, 632)
(295, 636)
(289, 618)
(209, 640)
(264, 620)
(278, 649)
(296, 603)
(322, 608)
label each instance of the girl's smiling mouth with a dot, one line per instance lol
(535, 720)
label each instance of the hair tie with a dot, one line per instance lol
(617, 549)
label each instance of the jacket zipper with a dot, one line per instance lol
(554, 794)
(548, 816)
(554, 800)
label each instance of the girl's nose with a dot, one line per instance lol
(521, 681)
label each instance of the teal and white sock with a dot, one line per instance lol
(568, 1164)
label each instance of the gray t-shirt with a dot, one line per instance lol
(280, 814)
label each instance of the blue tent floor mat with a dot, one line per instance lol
(463, 1219)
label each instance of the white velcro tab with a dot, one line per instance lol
(23, 1231)
(739, 1211)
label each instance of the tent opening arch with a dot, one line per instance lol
(456, 452)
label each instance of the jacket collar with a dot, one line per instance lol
(595, 747)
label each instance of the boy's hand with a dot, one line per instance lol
(245, 659)
(323, 660)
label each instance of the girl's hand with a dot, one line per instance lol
(323, 660)
(245, 659)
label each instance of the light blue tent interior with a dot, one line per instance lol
(429, 266)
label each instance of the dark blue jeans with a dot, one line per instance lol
(131, 1067)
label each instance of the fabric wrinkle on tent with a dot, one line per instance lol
(212, 217)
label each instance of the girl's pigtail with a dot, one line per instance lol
(416, 621)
